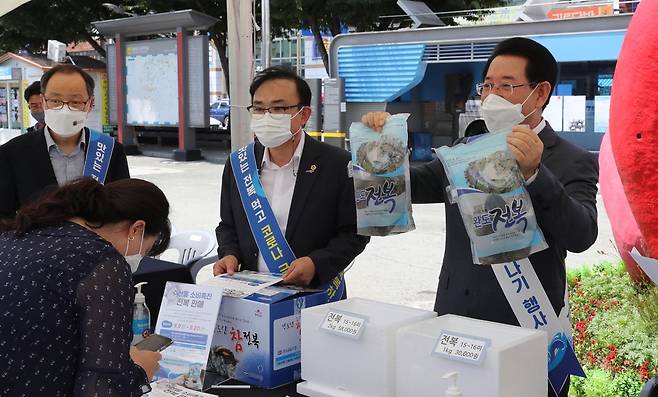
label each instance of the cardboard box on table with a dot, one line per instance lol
(257, 339)
(363, 365)
(514, 363)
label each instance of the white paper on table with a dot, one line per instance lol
(244, 283)
(648, 265)
(166, 388)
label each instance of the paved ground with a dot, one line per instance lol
(6, 135)
(398, 269)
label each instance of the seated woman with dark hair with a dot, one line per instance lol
(66, 290)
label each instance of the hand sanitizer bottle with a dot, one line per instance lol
(453, 390)
(141, 316)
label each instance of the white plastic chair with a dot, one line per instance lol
(191, 246)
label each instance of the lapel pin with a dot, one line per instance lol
(312, 169)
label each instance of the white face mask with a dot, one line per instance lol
(500, 114)
(133, 260)
(273, 130)
(65, 122)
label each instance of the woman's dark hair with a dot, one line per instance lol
(122, 200)
(541, 65)
(282, 73)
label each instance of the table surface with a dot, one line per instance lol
(283, 391)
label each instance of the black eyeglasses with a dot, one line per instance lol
(255, 109)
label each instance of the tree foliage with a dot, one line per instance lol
(31, 25)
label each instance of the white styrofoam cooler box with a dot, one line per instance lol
(514, 362)
(338, 365)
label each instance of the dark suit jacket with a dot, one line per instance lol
(322, 221)
(564, 199)
(26, 171)
(36, 127)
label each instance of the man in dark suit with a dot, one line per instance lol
(560, 177)
(53, 155)
(306, 183)
(34, 101)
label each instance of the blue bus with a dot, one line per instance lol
(431, 73)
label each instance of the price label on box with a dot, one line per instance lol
(344, 324)
(460, 347)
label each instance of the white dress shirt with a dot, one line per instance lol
(279, 185)
(67, 167)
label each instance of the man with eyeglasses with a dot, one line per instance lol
(561, 178)
(35, 104)
(55, 154)
(305, 185)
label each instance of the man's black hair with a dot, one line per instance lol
(32, 90)
(278, 73)
(541, 66)
(68, 69)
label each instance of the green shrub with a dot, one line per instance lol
(577, 385)
(607, 281)
(627, 384)
(623, 328)
(599, 384)
(602, 383)
(615, 327)
(646, 302)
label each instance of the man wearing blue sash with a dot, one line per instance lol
(287, 201)
(561, 179)
(64, 149)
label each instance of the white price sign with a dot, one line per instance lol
(459, 347)
(344, 324)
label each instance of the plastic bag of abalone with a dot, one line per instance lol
(380, 167)
(487, 184)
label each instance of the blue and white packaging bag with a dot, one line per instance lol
(487, 185)
(380, 168)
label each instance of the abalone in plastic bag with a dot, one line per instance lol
(382, 156)
(495, 173)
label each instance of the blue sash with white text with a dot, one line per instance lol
(269, 237)
(533, 310)
(99, 153)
